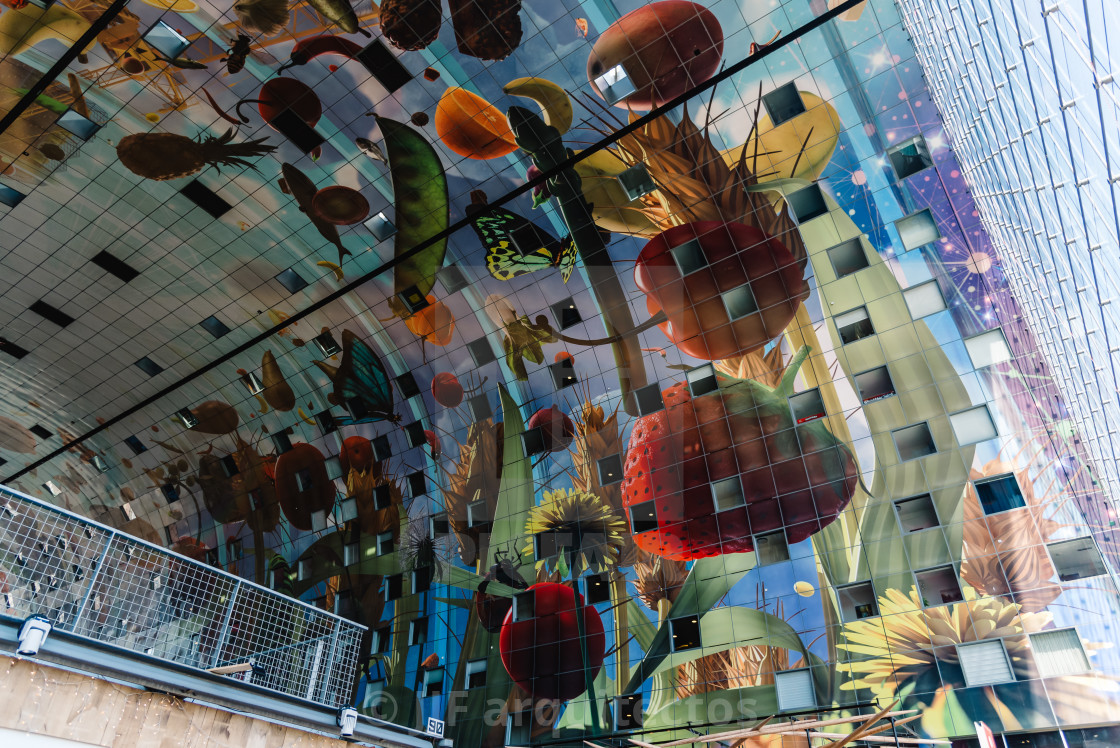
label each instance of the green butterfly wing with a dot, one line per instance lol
(496, 228)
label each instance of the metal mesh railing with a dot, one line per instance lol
(98, 583)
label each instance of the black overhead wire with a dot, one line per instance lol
(571, 161)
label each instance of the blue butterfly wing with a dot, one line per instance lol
(363, 378)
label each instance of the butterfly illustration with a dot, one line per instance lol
(362, 385)
(515, 246)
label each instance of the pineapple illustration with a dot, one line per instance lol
(164, 155)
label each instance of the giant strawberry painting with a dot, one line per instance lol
(708, 473)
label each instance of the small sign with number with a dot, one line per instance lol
(435, 727)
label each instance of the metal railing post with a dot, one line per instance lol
(329, 669)
(221, 643)
(94, 577)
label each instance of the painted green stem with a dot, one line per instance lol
(544, 145)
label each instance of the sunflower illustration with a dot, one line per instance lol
(908, 645)
(578, 527)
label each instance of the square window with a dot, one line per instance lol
(702, 380)
(913, 442)
(326, 422)
(795, 690)
(610, 469)
(214, 326)
(383, 65)
(999, 494)
(807, 406)
(524, 605)
(728, 494)
(924, 299)
(938, 586)
(348, 509)
(351, 554)
(407, 386)
(205, 198)
(326, 344)
(909, 157)
(916, 514)
(783, 104)
(481, 351)
(874, 384)
(476, 673)
(807, 203)
(566, 314)
(334, 467)
(627, 711)
(689, 257)
(40, 431)
(291, 280)
(848, 258)
(973, 425)
(985, 663)
(6, 346)
(54, 490)
(166, 40)
(857, 601)
(416, 435)
(433, 682)
(382, 496)
(382, 450)
(186, 417)
(252, 383)
(917, 229)
(440, 525)
(988, 348)
(643, 517)
(381, 227)
(519, 728)
(282, 442)
(413, 300)
(1059, 652)
(382, 638)
(304, 566)
(421, 579)
(649, 399)
(149, 367)
(480, 407)
(319, 521)
(303, 480)
(1076, 559)
(452, 279)
(739, 302)
(417, 484)
(636, 181)
(394, 586)
(115, 266)
(384, 543)
(771, 547)
(170, 493)
(525, 239)
(597, 588)
(548, 544)
(532, 441)
(685, 633)
(853, 325)
(615, 85)
(296, 129)
(418, 630)
(10, 197)
(478, 513)
(563, 373)
(97, 461)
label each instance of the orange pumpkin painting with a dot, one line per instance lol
(433, 324)
(471, 126)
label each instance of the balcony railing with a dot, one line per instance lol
(93, 581)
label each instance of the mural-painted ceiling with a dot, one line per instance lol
(283, 282)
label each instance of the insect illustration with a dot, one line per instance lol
(235, 61)
(361, 383)
(515, 246)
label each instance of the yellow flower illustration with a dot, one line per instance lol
(581, 525)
